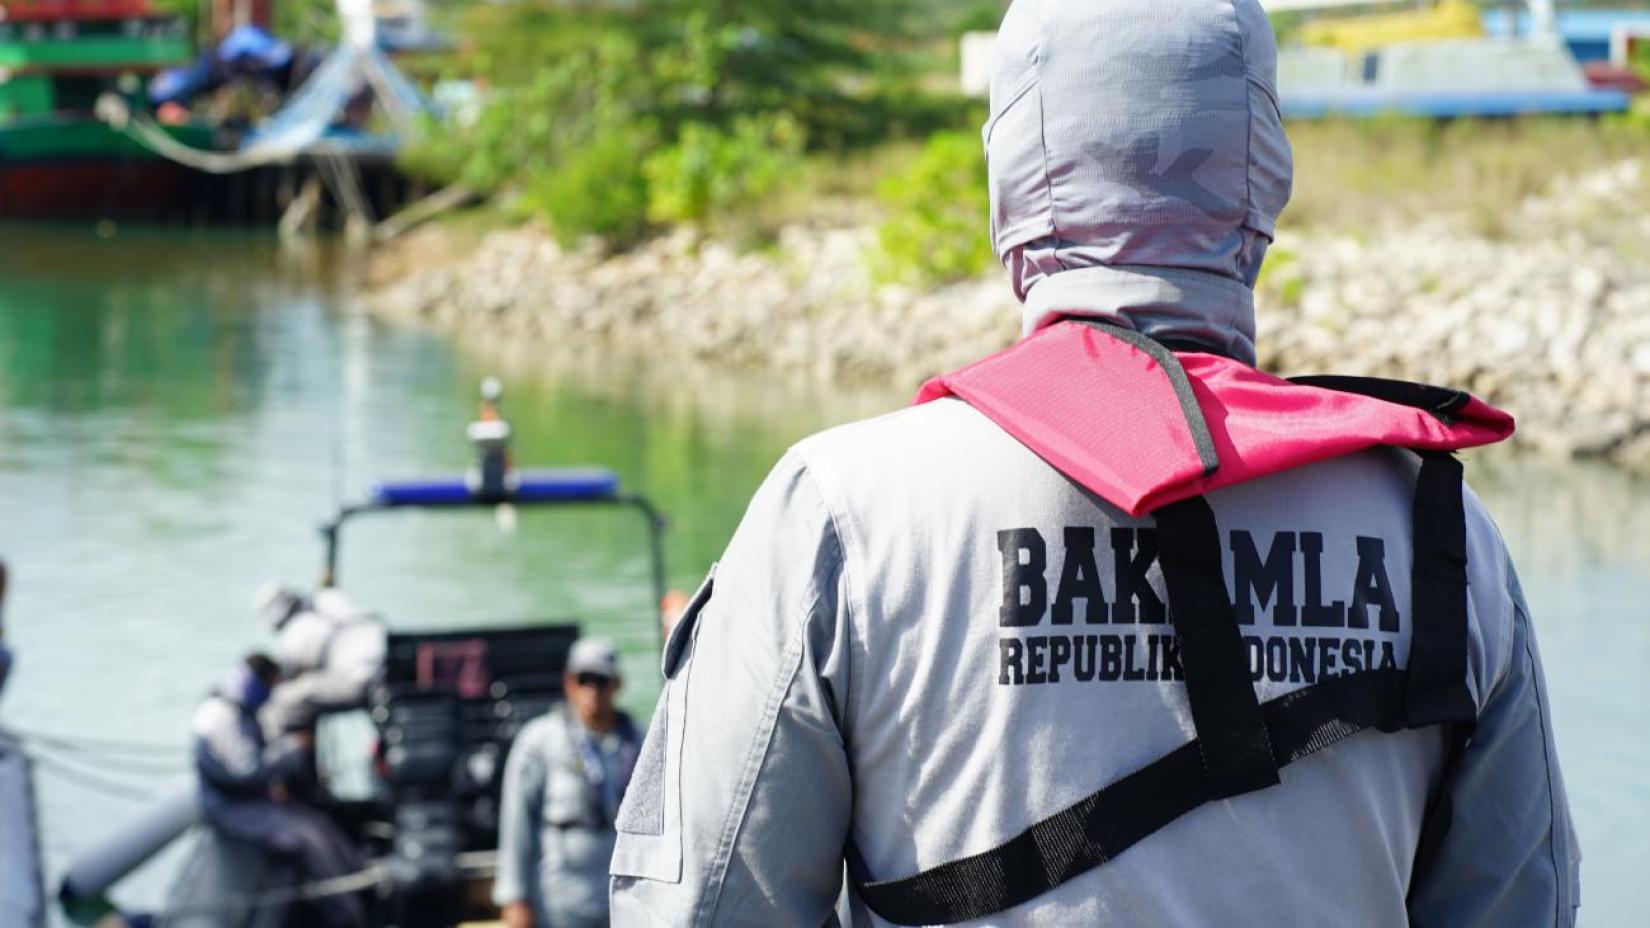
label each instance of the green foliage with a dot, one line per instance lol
(1286, 25)
(979, 16)
(752, 56)
(305, 22)
(1281, 277)
(598, 188)
(937, 230)
(711, 103)
(711, 172)
(584, 116)
(1639, 60)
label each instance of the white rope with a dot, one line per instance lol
(113, 109)
(303, 892)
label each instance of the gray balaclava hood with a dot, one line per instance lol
(1137, 163)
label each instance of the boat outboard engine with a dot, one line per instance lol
(421, 737)
(447, 708)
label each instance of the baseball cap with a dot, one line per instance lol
(593, 655)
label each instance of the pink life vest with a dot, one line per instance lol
(1104, 406)
(1151, 432)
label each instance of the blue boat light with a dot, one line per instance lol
(569, 485)
(434, 491)
(565, 485)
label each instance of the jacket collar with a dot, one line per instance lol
(1167, 304)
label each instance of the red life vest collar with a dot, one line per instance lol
(1110, 410)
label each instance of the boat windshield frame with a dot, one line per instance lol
(332, 529)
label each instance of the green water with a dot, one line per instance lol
(178, 412)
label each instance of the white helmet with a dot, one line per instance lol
(275, 603)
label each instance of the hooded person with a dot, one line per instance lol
(1110, 627)
(243, 797)
(329, 651)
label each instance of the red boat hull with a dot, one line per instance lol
(97, 189)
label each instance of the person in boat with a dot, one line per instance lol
(1111, 627)
(243, 787)
(563, 782)
(329, 651)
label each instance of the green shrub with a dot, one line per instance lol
(1639, 61)
(937, 229)
(711, 173)
(727, 95)
(597, 189)
(570, 138)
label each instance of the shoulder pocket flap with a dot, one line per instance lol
(649, 825)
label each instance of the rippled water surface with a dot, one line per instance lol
(178, 412)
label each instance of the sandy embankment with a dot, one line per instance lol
(1549, 316)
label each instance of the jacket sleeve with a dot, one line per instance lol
(231, 757)
(519, 817)
(1509, 857)
(739, 809)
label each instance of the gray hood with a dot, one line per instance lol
(1137, 163)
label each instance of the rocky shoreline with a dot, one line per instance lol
(1547, 315)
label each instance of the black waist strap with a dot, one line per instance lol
(1240, 744)
(1105, 824)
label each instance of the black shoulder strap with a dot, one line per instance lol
(1438, 640)
(1437, 690)
(1239, 745)
(1231, 735)
(1442, 402)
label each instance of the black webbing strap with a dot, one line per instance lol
(1442, 402)
(1437, 691)
(1438, 600)
(1231, 735)
(1107, 823)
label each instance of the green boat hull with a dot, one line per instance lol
(67, 168)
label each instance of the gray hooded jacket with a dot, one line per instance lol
(847, 684)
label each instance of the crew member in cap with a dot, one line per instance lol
(567, 772)
(1132, 635)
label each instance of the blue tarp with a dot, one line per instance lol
(306, 115)
(315, 115)
(314, 112)
(247, 51)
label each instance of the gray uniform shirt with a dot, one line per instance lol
(554, 842)
(848, 679)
